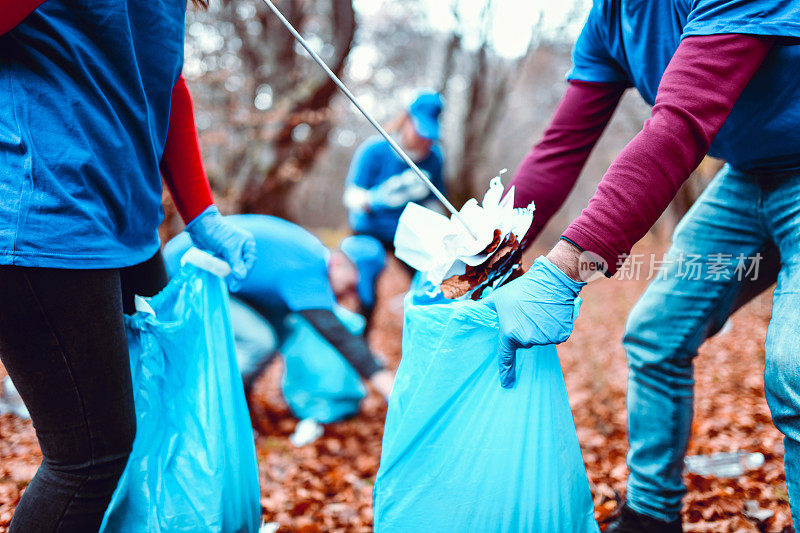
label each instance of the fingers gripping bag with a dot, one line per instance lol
(318, 382)
(461, 453)
(193, 465)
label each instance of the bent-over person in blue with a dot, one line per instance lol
(295, 273)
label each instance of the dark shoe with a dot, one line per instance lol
(629, 521)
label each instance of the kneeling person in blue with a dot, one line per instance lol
(296, 274)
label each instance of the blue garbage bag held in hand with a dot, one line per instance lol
(537, 309)
(193, 465)
(318, 382)
(462, 454)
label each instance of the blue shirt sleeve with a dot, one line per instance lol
(364, 166)
(753, 17)
(591, 59)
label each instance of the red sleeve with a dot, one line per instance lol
(549, 172)
(181, 164)
(697, 92)
(12, 12)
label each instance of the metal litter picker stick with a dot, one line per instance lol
(421, 175)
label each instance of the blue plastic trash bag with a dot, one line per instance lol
(423, 292)
(318, 382)
(193, 466)
(461, 453)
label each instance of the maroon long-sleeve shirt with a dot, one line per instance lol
(12, 12)
(697, 92)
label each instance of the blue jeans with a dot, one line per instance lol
(256, 341)
(702, 283)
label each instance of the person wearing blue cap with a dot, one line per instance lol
(380, 183)
(295, 273)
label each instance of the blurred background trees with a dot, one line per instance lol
(277, 137)
(268, 105)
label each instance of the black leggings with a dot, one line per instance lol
(62, 341)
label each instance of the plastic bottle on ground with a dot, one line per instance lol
(725, 464)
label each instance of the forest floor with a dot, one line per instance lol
(327, 486)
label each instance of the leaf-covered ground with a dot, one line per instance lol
(327, 486)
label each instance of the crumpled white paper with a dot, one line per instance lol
(307, 431)
(442, 247)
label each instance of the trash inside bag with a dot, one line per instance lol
(318, 382)
(461, 453)
(193, 465)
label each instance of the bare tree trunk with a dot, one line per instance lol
(448, 65)
(308, 104)
(489, 84)
(451, 50)
(280, 143)
(474, 125)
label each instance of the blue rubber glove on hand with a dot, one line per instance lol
(212, 233)
(536, 309)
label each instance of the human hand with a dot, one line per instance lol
(211, 232)
(536, 309)
(357, 199)
(400, 189)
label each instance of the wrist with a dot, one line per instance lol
(566, 257)
(212, 211)
(199, 205)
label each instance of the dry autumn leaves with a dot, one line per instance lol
(327, 486)
(504, 261)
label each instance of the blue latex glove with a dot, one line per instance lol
(212, 233)
(536, 309)
(399, 189)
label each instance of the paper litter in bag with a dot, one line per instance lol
(455, 261)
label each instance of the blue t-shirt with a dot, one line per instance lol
(85, 95)
(633, 41)
(375, 162)
(291, 269)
